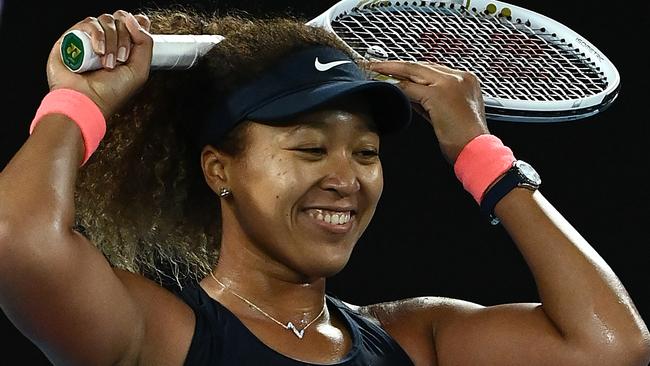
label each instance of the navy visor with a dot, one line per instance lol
(301, 82)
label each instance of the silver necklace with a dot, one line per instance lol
(289, 326)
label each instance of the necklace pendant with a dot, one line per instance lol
(298, 333)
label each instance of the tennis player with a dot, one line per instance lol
(192, 218)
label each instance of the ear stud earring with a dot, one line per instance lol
(224, 192)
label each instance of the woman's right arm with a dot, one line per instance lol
(55, 286)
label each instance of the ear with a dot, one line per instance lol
(215, 165)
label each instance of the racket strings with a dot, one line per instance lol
(512, 60)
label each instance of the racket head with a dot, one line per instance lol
(531, 67)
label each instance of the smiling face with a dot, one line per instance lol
(304, 192)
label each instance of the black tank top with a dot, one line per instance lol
(220, 338)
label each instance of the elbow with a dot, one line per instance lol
(638, 345)
(633, 351)
(641, 353)
(636, 356)
(628, 346)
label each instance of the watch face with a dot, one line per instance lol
(528, 172)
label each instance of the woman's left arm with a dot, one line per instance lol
(581, 296)
(586, 316)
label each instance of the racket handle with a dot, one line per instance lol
(170, 51)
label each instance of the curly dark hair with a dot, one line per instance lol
(142, 198)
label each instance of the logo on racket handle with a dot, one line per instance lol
(72, 51)
(77, 52)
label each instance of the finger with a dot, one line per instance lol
(108, 24)
(443, 68)
(415, 72)
(144, 21)
(142, 43)
(402, 70)
(92, 27)
(459, 74)
(123, 37)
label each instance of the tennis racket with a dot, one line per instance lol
(170, 51)
(531, 68)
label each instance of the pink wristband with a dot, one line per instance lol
(79, 108)
(481, 162)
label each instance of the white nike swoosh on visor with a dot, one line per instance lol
(326, 66)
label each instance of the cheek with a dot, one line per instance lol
(373, 181)
(272, 182)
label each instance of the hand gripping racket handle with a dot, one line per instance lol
(170, 51)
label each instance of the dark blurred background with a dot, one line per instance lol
(427, 237)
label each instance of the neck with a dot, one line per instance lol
(269, 285)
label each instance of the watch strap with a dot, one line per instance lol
(503, 186)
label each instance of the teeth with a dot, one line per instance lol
(330, 217)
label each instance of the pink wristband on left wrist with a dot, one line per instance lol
(79, 108)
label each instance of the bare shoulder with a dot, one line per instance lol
(442, 330)
(413, 322)
(169, 321)
(427, 312)
(417, 306)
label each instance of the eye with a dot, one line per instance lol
(369, 153)
(312, 150)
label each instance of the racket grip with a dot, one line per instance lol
(170, 51)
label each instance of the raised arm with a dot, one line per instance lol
(585, 317)
(55, 286)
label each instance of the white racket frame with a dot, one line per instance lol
(511, 109)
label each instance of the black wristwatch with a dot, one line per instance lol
(521, 174)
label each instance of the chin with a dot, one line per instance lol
(323, 267)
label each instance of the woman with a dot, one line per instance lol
(286, 129)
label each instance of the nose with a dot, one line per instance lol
(341, 176)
